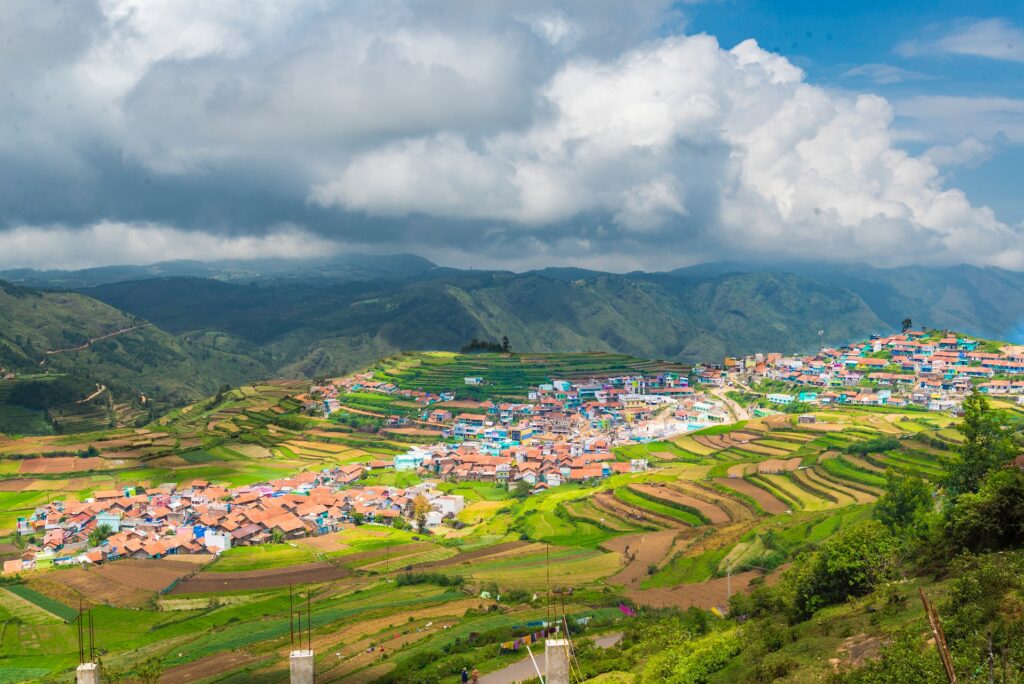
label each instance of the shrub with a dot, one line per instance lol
(850, 563)
(693, 661)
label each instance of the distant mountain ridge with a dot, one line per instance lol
(336, 268)
(233, 322)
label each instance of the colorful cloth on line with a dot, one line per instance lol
(516, 644)
(626, 610)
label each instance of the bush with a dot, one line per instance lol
(693, 661)
(851, 563)
(906, 660)
(875, 445)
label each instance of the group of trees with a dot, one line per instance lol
(476, 346)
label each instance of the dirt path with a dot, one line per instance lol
(88, 343)
(92, 396)
(738, 412)
(644, 549)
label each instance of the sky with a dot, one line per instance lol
(620, 136)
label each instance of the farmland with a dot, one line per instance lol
(742, 499)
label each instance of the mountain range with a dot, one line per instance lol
(198, 325)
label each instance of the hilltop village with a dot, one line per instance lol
(561, 431)
(929, 370)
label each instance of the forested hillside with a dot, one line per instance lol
(318, 328)
(48, 335)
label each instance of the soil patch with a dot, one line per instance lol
(271, 578)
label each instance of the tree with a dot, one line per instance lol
(358, 518)
(421, 507)
(522, 489)
(277, 536)
(988, 444)
(907, 324)
(905, 500)
(102, 531)
(991, 519)
(505, 346)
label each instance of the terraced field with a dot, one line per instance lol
(662, 538)
(508, 375)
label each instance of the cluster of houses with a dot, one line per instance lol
(540, 467)
(623, 409)
(205, 518)
(912, 368)
(563, 432)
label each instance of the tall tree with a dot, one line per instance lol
(907, 324)
(988, 444)
(420, 508)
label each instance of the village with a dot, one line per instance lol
(565, 432)
(932, 371)
(562, 432)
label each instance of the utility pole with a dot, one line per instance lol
(728, 578)
(88, 671)
(300, 662)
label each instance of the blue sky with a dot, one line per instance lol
(832, 41)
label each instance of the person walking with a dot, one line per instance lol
(475, 677)
(465, 676)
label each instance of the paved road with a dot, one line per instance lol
(523, 671)
(738, 412)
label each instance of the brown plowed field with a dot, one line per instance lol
(755, 448)
(609, 503)
(741, 469)
(705, 595)
(271, 578)
(663, 455)
(778, 465)
(61, 464)
(708, 442)
(736, 509)
(645, 549)
(124, 584)
(507, 548)
(768, 502)
(859, 462)
(207, 667)
(714, 514)
(855, 494)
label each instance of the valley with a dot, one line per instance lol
(689, 521)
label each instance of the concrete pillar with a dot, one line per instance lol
(556, 661)
(301, 667)
(87, 673)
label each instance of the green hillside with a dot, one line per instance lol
(49, 335)
(313, 329)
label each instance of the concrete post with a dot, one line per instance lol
(300, 665)
(556, 661)
(87, 673)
